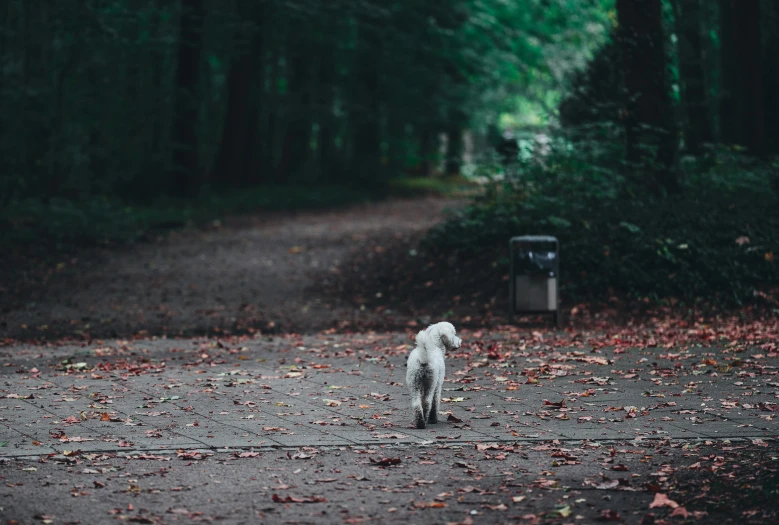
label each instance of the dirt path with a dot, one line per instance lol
(250, 273)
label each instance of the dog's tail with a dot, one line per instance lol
(422, 346)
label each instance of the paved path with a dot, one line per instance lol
(156, 395)
(552, 428)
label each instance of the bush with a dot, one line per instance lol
(716, 240)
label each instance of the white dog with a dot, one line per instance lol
(425, 374)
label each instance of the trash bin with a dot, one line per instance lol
(535, 267)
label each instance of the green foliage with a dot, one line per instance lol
(292, 92)
(715, 240)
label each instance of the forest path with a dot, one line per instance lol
(258, 272)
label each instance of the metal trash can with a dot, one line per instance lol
(535, 267)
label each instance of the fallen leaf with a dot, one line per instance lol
(661, 500)
(291, 499)
(385, 462)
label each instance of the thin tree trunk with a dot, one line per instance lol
(230, 166)
(428, 149)
(326, 150)
(259, 153)
(751, 52)
(185, 175)
(698, 127)
(365, 119)
(742, 109)
(295, 146)
(770, 17)
(454, 143)
(651, 142)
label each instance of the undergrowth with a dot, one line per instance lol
(716, 240)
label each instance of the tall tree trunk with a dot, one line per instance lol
(230, 166)
(770, 17)
(185, 175)
(365, 118)
(751, 51)
(651, 142)
(742, 110)
(428, 149)
(295, 144)
(326, 149)
(698, 126)
(454, 150)
(256, 154)
(454, 143)
(731, 97)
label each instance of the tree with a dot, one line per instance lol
(698, 127)
(648, 118)
(743, 98)
(185, 172)
(232, 164)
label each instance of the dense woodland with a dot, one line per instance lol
(659, 118)
(138, 98)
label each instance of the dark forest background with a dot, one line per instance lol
(645, 132)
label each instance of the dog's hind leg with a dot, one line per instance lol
(419, 412)
(435, 406)
(425, 409)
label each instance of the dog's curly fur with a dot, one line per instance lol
(426, 369)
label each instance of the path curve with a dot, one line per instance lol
(258, 272)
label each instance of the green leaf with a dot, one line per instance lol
(559, 222)
(632, 228)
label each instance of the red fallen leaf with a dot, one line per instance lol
(291, 499)
(453, 419)
(609, 515)
(385, 462)
(99, 485)
(680, 511)
(619, 467)
(488, 446)
(191, 455)
(428, 505)
(555, 404)
(661, 500)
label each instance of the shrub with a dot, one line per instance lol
(715, 240)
